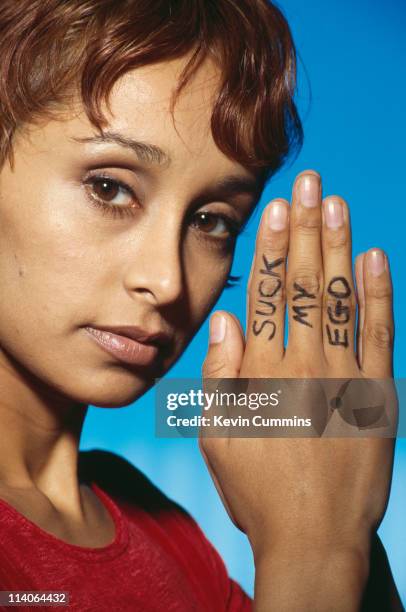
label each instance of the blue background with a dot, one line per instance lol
(353, 54)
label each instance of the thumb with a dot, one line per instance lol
(226, 347)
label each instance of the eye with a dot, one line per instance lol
(111, 195)
(216, 225)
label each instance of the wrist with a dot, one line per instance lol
(310, 578)
(324, 541)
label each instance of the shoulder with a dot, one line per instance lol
(142, 502)
(123, 481)
(165, 521)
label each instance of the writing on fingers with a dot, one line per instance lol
(301, 311)
(338, 314)
(268, 289)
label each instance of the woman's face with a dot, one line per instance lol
(106, 232)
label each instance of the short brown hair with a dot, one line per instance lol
(48, 45)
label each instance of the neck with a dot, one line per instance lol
(41, 431)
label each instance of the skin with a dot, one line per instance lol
(65, 264)
(311, 543)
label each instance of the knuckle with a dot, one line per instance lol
(337, 240)
(273, 246)
(307, 369)
(280, 296)
(268, 273)
(330, 303)
(270, 289)
(307, 225)
(380, 292)
(303, 282)
(212, 368)
(379, 335)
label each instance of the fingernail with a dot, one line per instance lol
(277, 216)
(309, 190)
(217, 328)
(376, 262)
(333, 211)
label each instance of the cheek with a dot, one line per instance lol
(45, 266)
(206, 281)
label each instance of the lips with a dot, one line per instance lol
(141, 348)
(158, 337)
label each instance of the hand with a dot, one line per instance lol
(306, 498)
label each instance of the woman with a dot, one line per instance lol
(119, 213)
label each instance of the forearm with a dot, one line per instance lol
(304, 578)
(291, 580)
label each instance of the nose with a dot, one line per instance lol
(156, 270)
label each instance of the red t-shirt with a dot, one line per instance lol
(160, 560)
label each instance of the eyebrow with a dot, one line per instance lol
(227, 186)
(151, 153)
(145, 151)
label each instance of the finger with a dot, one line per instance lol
(339, 299)
(378, 330)
(266, 291)
(226, 347)
(359, 278)
(304, 283)
(223, 360)
(249, 285)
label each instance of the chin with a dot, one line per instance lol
(114, 397)
(111, 388)
(120, 390)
